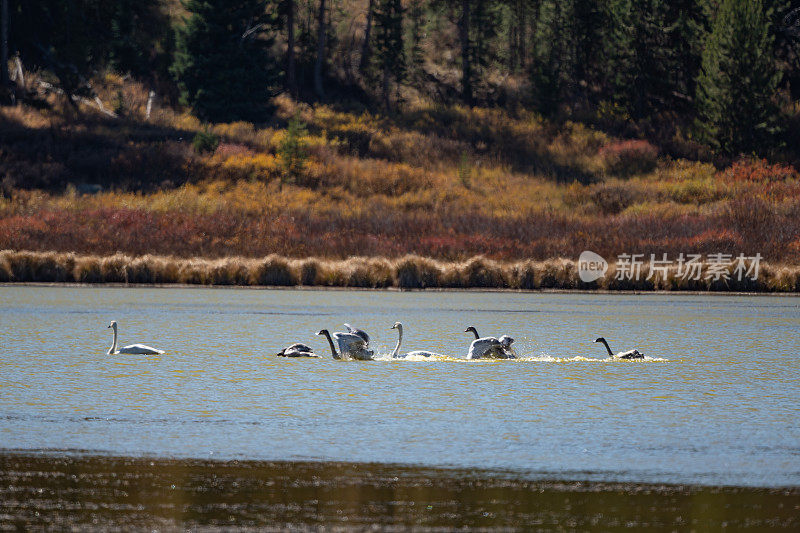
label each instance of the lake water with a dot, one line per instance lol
(717, 402)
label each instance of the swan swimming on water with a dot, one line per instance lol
(416, 353)
(630, 354)
(350, 345)
(297, 350)
(141, 349)
(490, 347)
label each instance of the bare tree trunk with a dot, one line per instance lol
(291, 84)
(4, 81)
(365, 46)
(466, 68)
(321, 33)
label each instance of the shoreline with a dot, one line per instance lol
(540, 479)
(406, 273)
(314, 288)
(65, 491)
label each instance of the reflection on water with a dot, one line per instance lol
(715, 403)
(123, 494)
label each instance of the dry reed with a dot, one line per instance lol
(409, 272)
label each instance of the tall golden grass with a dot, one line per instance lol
(409, 272)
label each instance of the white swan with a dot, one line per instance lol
(350, 345)
(490, 347)
(630, 354)
(416, 353)
(297, 350)
(141, 349)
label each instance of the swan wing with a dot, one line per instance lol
(349, 343)
(630, 354)
(360, 332)
(140, 349)
(481, 347)
(288, 352)
(423, 353)
(299, 347)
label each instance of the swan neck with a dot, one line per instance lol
(113, 348)
(330, 341)
(396, 351)
(605, 342)
(475, 331)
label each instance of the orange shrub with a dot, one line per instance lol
(759, 171)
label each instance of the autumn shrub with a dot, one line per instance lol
(274, 271)
(229, 271)
(247, 166)
(695, 191)
(194, 272)
(750, 214)
(88, 269)
(53, 267)
(114, 269)
(759, 171)
(151, 269)
(554, 274)
(46, 267)
(526, 275)
(240, 132)
(309, 271)
(629, 158)
(415, 272)
(5, 267)
(612, 199)
(415, 148)
(369, 272)
(482, 272)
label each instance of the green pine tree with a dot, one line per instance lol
(222, 65)
(416, 13)
(389, 55)
(739, 79)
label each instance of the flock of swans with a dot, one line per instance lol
(354, 344)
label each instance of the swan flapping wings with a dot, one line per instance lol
(491, 348)
(353, 345)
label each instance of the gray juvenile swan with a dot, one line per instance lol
(141, 349)
(490, 347)
(416, 353)
(297, 350)
(350, 345)
(630, 354)
(360, 332)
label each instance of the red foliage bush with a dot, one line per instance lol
(627, 158)
(759, 171)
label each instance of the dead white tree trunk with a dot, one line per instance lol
(150, 98)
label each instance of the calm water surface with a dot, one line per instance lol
(717, 403)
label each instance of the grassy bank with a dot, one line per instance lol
(448, 183)
(409, 272)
